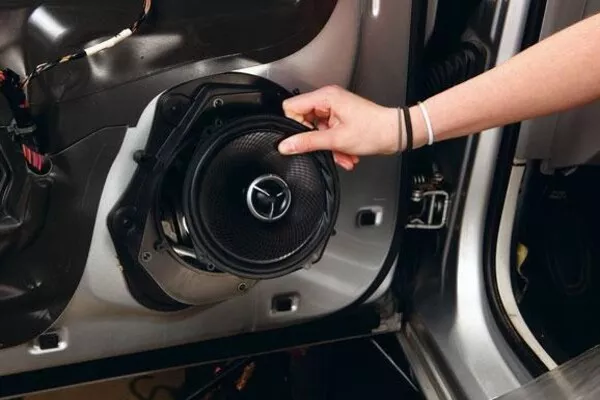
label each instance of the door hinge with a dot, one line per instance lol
(431, 201)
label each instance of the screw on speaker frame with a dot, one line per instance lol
(218, 102)
(126, 222)
(174, 107)
(146, 256)
(242, 287)
(142, 158)
(161, 245)
(126, 218)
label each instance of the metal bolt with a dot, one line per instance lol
(160, 245)
(417, 196)
(126, 217)
(419, 180)
(210, 267)
(140, 156)
(218, 102)
(218, 122)
(173, 108)
(127, 223)
(146, 256)
(242, 287)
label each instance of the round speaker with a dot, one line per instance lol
(252, 211)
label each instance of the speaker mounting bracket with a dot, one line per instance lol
(133, 224)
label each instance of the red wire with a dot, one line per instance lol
(27, 155)
(38, 161)
(33, 158)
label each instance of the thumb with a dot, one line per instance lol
(307, 142)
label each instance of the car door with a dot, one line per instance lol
(74, 296)
(457, 342)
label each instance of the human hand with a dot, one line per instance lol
(348, 125)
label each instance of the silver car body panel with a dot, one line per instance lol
(103, 319)
(578, 378)
(452, 339)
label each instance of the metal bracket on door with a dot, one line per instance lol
(430, 202)
(434, 213)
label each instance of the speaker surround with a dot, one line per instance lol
(253, 212)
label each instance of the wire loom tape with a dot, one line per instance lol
(124, 34)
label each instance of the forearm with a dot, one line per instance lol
(558, 73)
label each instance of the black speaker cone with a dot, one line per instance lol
(252, 211)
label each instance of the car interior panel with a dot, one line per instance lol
(149, 223)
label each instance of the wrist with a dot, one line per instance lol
(392, 131)
(420, 137)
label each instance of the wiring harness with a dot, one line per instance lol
(23, 128)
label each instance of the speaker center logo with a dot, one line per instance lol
(268, 198)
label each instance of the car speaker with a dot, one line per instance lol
(252, 211)
(212, 207)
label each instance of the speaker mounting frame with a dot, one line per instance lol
(133, 223)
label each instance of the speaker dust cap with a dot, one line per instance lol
(254, 212)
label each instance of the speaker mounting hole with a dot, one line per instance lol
(284, 303)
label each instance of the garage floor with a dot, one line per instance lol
(152, 387)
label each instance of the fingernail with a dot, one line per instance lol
(345, 165)
(287, 147)
(298, 118)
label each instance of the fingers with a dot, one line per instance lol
(308, 142)
(322, 125)
(315, 108)
(345, 161)
(317, 103)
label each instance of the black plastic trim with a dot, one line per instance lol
(170, 134)
(44, 266)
